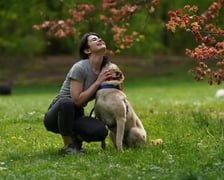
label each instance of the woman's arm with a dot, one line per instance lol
(81, 97)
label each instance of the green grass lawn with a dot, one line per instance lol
(183, 113)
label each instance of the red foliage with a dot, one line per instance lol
(206, 34)
(114, 14)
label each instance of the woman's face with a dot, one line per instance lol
(96, 44)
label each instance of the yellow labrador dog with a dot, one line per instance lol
(113, 108)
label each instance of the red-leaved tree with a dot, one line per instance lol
(114, 16)
(207, 29)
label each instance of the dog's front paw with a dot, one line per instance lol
(120, 148)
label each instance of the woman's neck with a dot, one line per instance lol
(95, 62)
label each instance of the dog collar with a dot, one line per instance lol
(107, 86)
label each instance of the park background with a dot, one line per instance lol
(29, 56)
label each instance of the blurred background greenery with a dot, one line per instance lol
(19, 40)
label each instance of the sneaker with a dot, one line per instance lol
(77, 143)
(71, 149)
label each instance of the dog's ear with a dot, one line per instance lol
(122, 75)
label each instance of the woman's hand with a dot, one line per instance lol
(79, 96)
(104, 75)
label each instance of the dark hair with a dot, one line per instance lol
(84, 45)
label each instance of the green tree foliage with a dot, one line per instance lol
(18, 37)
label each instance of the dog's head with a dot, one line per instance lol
(117, 77)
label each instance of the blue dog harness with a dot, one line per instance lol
(107, 86)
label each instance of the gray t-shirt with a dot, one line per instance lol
(82, 72)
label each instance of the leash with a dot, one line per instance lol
(126, 105)
(91, 112)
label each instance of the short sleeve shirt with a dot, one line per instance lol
(82, 72)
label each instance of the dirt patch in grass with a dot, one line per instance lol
(53, 69)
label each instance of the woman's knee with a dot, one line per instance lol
(90, 129)
(50, 125)
(95, 135)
